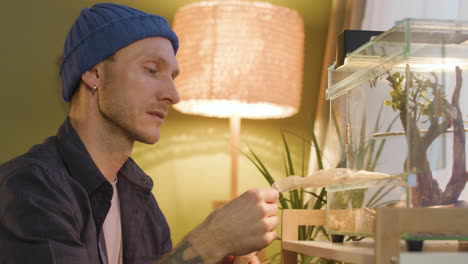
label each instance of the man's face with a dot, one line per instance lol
(138, 88)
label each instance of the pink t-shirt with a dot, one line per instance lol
(112, 230)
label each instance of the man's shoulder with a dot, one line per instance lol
(40, 177)
(42, 160)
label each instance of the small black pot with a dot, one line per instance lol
(414, 245)
(337, 238)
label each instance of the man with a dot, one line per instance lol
(79, 197)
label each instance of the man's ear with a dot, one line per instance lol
(92, 77)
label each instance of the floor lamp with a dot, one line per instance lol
(239, 59)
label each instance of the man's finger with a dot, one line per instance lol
(254, 260)
(271, 209)
(270, 195)
(272, 222)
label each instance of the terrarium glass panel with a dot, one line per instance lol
(405, 108)
(351, 206)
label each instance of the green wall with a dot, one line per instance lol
(190, 164)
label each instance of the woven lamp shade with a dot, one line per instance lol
(239, 58)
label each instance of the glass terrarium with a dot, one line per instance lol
(351, 206)
(400, 104)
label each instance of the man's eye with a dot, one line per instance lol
(151, 71)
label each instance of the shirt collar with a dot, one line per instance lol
(136, 175)
(83, 169)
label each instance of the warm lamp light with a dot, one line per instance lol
(239, 59)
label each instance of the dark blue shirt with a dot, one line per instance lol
(53, 202)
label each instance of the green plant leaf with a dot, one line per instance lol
(318, 202)
(261, 167)
(378, 198)
(361, 154)
(386, 202)
(288, 155)
(318, 153)
(316, 196)
(372, 141)
(318, 230)
(266, 174)
(295, 200)
(337, 130)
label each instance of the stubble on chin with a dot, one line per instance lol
(129, 130)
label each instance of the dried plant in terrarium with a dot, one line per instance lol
(421, 101)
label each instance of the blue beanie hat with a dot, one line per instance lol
(102, 30)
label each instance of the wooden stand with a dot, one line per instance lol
(388, 247)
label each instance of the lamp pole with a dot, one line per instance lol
(234, 127)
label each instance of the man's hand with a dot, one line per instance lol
(247, 259)
(243, 225)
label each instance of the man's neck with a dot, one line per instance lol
(108, 149)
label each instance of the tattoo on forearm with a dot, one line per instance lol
(184, 254)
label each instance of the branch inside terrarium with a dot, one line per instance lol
(415, 96)
(459, 175)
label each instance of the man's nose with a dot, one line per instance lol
(174, 94)
(170, 92)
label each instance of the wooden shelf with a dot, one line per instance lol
(363, 251)
(354, 252)
(387, 246)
